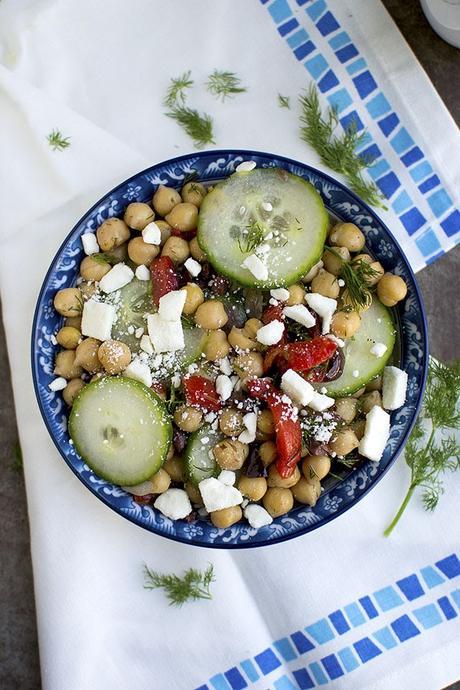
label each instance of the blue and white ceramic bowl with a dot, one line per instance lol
(338, 496)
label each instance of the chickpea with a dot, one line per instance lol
(344, 324)
(268, 452)
(68, 302)
(347, 235)
(359, 392)
(307, 492)
(375, 265)
(216, 346)
(86, 355)
(249, 365)
(231, 422)
(68, 337)
(265, 423)
(196, 251)
(193, 493)
(326, 284)
(71, 391)
(88, 290)
(344, 442)
(375, 384)
(230, 455)
(142, 253)
(278, 501)
(391, 289)
(74, 322)
(91, 269)
(252, 487)
(251, 327)
(164, 200)
(188, 418)
(274, 478)
(226, 517)
(193, 193)
(211, 315)
(238, 338)
(114, 356)
(174, 466)
(112, 233)
(120, 253)
(165, 230)
(346, 408)
(66, 366)
(177, 249)
(358, 428)
(316, 467)
(170, 453)
(332, 262)
(313, 272)
(194, 298)
(296, 295)
(183, 217)
(138, 215)
(160, 481)
(370, 400)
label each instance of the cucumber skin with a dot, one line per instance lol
(188, 451)
(251, 281)
(167, 426)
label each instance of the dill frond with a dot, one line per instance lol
(224, 84)
(176, 90)
(198, 126)
(194, 584)
(284, 101)
(57, 141)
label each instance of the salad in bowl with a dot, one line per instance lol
(228, 351)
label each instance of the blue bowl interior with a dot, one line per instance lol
(337, 496)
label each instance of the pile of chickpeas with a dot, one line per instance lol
(82, 359)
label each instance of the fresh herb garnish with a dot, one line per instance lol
(198, 126)
(16, 464)
(194, 584)
(356, 275)
(253, 236)
(56, 141)
(224, 84)
(337, 151)
(174, 401)
(192, 175)
(284, 101)
(427, 457)
(176, 90)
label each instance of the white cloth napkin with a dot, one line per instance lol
(98, 73)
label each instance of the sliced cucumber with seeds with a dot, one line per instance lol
(198, 458)
(361, 366)
(121, 429)
(265, 206)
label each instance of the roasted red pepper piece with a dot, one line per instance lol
(273, 313)
(302, 355)
(164, 278)
(201, 392)
(185, 234)
(287, 425)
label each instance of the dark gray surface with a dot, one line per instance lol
(19, 666)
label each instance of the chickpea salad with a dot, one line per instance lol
(227, 348)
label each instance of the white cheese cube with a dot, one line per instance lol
(97, 320)
(227, 477)
(193, 267)
(151, 234)
(166, 336)
(271, 333)
(249, 434)
(376, 434)
(139, 371)
(171, 305)
(89, 242)
(323, 306)
(217, 496)
(378, 349)
(118, 276)
(246, 166)
(224, 387)
(300, 314)
(299, 390)
(394, 388)
(313, 272)
(225, 366)
(257, 516)
(58, 384)
(280, 293)
(174, 503)
(146, 345)
(256, 267)
(320, 402)
(142, 272)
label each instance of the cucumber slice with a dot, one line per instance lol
(198, 464)
(121, 429)
(232, 218)
(377, 326)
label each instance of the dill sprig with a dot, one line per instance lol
(198, 126)
(284, 101)
(224, 84)
(428, 458)
(194, 584)
(174, 401)
(253, 237)
(356, 275)
(57, 141)
(337, 151)
(176, 90)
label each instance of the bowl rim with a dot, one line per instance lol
(424, 332)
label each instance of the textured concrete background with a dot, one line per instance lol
(19, 664)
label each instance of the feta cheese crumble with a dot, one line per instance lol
(193, 267)
(378, 349)
(224, 387)
(257, 516)
(142, 272)
(256, 267)
(280, 293)
(97, 319)
(324, 307)
(227, 477)
(118, 276)
(89, 242)
(174, 503)
(355, 373)
(146, 345)
(216, 495)
(166, 336)
(394, 388)
(171, 305)
(300, 314)
(376, 434)
(249, 434)
(58, 384)
(320, 402)
(271, 333)
(299, 390)
(313, 272)
(151, 234)
(139, 371)
(246, 166)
